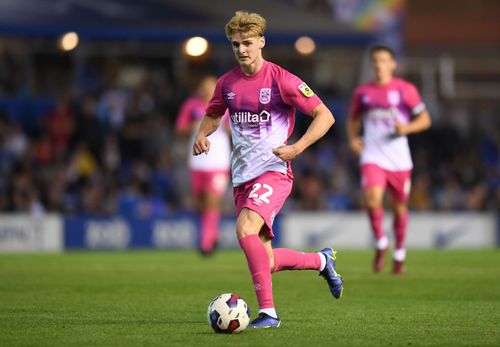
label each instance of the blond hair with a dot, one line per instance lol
(249, 24)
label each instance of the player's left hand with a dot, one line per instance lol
(286, 152)
(400, 129)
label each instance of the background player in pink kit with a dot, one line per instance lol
(210, 172)
(390, 109)
(262, 98)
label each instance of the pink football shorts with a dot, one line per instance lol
(214, 181)
(398, 183)
(265, 195)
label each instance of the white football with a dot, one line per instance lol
(228, 313)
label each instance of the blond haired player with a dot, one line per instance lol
(261, 98)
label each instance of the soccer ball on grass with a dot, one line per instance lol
(228, 313)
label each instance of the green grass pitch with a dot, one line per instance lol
(159, 298)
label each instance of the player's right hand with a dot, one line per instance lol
(201, 145)
(357, 145)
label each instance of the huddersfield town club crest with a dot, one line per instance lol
(265, 95)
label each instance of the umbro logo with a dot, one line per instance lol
(231, 95)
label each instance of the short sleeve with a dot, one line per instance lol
(412, 99)
(356, 107)
(217, 105)
(297, 93)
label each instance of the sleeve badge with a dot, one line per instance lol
(304, 88)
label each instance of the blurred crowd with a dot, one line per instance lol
(104, 147)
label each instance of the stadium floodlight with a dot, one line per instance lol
(305, 45)
(195, 46)
(68, 41)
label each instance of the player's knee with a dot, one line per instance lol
(241, 233)
(372, 203)
(400, 209)
(248, 223)
(244, 227)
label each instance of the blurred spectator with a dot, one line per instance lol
(88, 128)
(41, 149)
(339, 196)
(159, 137)
(111, 158)
(82, 164)
(59, 126)
(420, 198)
(25, 195)
(451, 196)
(112, 106)
(476, 197)
(162, 180)
(310, 193)
(15, 141)
(133, 134)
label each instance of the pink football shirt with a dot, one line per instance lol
(262, 116)
(380, 106)
(218, 158)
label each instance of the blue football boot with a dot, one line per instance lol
(264, 321)
(330, 274)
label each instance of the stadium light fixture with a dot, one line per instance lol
(305, 45)
(195, 46)
(68, 41)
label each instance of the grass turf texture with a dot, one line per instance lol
(148, 298)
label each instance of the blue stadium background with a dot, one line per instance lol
(88, 134)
